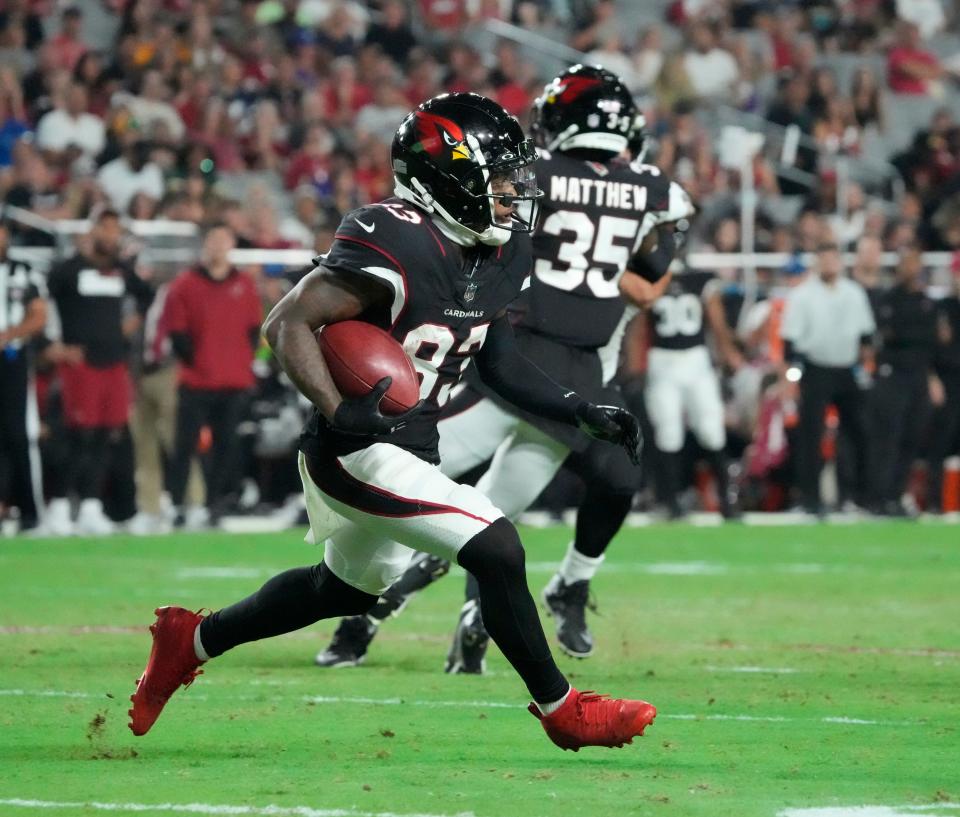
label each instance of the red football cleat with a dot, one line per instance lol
(588, 719)
(172, 662)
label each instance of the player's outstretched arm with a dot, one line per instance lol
(515, 378)
(321, 297)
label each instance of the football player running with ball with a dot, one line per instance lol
(598, 210)
(436, 266)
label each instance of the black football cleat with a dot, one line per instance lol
(469, 649)
(567, 604)
(348, 647)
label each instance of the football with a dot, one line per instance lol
(360, 354)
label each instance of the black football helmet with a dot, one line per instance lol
(585, 107)
(446, 156)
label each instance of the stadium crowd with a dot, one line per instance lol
(263, 122)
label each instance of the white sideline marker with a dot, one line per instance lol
(211, 808)
(872, 811)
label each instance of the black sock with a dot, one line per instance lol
(424, 570)
(599, 517)
(718, 464)
(495, 557)
(668, 479)
(472, 590)
(287, 602)
(89, 456)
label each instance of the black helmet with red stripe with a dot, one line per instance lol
(450, 153)
(586, 107)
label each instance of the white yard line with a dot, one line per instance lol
(756, 670)
(352, 700)
(212, 808)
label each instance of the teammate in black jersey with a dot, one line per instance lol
(436, 266)
(598, 208)
(682, 387)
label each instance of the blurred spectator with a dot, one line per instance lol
(23, 14)
(13, 117)
(648, 59)
(68, 44)
(393, 33)
(311, 163)
(945, 439)
(927, 15)
(712, 70)
(70, 132)
(911, 69)
(597, 23)
(336, 35)
(90, 290)
(900, 403)
(866, 99)
(14, 53)
(151, 107)
(213, 317)
(442, 17)
(345, 94)
(828, 330)
(381, 118)
(153, 425)
(131, 173)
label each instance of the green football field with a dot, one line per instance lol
(803, 672)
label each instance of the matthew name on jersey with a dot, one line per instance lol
(598, 192)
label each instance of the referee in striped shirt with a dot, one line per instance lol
(23, 315)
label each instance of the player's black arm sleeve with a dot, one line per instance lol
(505, 370)
(653, 265)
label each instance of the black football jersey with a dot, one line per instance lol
(676, 317)
(444, 298)
(591, 228)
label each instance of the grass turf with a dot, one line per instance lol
(763, 649)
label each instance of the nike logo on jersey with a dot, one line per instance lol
(569, 394)
(368, 227)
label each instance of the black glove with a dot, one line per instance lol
(361, 415)
(613, 425)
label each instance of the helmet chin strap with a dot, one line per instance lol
(493, 236)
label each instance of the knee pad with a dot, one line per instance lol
(496, 546)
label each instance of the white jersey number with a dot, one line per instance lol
(610, 242)
(429, 346)
(678, 315)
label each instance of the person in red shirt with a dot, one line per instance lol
(212, 315)
(68, 45)
(910, 68)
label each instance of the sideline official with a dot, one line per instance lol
(23, 315)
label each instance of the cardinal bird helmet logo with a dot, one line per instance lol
(568, 89)
(440, 137)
